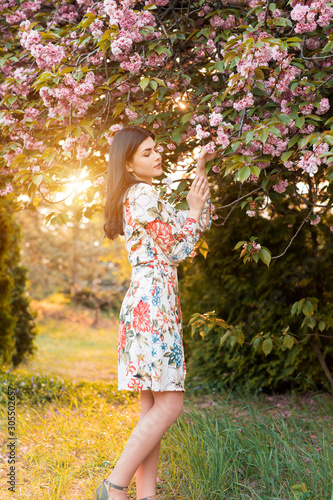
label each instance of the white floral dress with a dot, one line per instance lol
(150, 339)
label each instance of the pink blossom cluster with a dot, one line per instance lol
(47, 55)
(281, 186)
(16, 18)
(9, 157)
(275, 146)
(222, 136)
(71, 94)
(324, 106)
(20, 83)
(99, 182)
(306, 15)
(319, 149)
(66, 14)
(31, 143)
(215, 119)
(210, 147)
(8, 189)
(205, 10)
(30, 38)
(198, 118)
(121, 45)
(96, 28)
(247, 102)
(201, 134)
(309, 163)
(132, 115)
(219, 22)
(133, 64)
(31, 112)
(127, 18)
(156, 60)
(82, 153)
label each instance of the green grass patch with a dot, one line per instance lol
(72, 425)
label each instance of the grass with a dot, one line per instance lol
(72, 425)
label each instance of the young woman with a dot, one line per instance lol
(150, 343)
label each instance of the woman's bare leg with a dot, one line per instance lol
(145, 438)
(147, 472)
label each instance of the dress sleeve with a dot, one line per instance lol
(175, 239)
(181, 215)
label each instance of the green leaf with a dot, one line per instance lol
(224, 337)
(89, 130)
(144, 82)
(153, 84)
(286, 155)
(219, 66)
(37, 179)
(239, 244)
(267, 346)
(288, 341)
(255, 170)
(322, 326)
(293, 140)
(249, 136)
(307, 308)
(186, 117)
(312, 323)
(263, 134)
(265, 255)
(284, 118)
(244, 173)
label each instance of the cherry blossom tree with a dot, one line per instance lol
(251, 80)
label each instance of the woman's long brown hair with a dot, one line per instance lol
(119, 179)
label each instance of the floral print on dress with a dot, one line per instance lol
(150, 338)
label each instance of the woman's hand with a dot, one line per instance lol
(203, 158)
(197, 196)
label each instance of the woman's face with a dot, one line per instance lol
(146, 161)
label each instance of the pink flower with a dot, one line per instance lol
(95, 28)
(215, 119)
(210, 147)
(299, 12)
(309, 163)
(315, 221)
(131, 114)
(331, 229)
(115, 128)
(247, 102)
(281, 186)
(68, 144)
(31, 113)
(82, 153)
(324, 106)
(133, 65)
(171, 146)
(48, 55)
(7, 189)
(99, 182)
(201, 134)
(216, 169)
(250, 213)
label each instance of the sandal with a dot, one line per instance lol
(102, 492)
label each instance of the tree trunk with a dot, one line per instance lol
(322, 362)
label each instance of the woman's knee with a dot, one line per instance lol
(170, 403)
